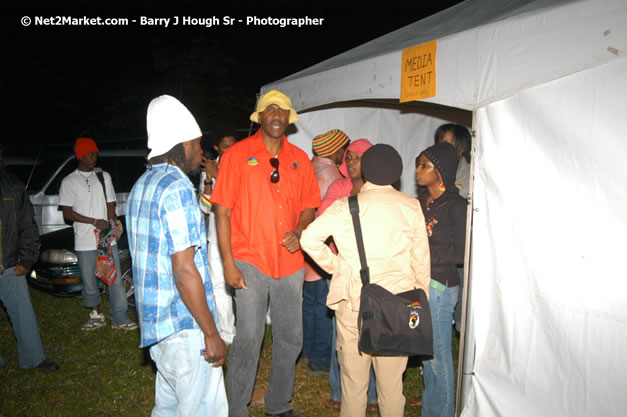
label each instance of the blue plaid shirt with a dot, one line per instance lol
(163, 218)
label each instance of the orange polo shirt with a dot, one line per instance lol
(262, 212)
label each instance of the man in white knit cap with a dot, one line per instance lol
(173, 290)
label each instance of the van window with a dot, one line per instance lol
(124, 171)
(44, 170)
(55, 185)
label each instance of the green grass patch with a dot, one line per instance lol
(104, 373)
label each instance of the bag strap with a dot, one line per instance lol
(100, 176)
(364, 272)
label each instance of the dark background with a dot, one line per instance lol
(62, 82)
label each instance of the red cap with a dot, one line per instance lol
(84, 146)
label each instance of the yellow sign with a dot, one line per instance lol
(418, 77)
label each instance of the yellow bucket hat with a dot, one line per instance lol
(274, 97)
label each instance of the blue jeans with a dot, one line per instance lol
(317, 322)
(186, 384)
(91, 295)
(335, 381)
(16, 300)
(285, 296)
(438, 399)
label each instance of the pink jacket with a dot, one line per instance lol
(342, 187)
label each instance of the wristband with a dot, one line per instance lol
(209, 182)
(95, 221)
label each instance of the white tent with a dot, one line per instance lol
(544, 84)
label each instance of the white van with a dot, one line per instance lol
(124, 166)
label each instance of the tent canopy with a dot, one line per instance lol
(487, 50)
(545, 84)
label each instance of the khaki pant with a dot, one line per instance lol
(355, 371)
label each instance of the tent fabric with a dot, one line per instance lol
(409, 133)
(546, 82)
(549, 231)
(461, 17)
(487, 51)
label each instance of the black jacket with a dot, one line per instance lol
(447, 238)
(20, 236)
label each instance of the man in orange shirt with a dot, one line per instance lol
(265, 195)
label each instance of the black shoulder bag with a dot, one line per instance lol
(393, 325)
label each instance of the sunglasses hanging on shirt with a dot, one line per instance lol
(274, 176)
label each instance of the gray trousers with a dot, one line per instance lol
(285, 297)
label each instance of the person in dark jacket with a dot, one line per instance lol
(459, 137)
(445, 217)
(20, 249)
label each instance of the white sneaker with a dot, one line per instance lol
(95, 321)
(125, 325)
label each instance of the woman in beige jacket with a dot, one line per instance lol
(397, 251)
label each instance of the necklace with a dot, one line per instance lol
(86, 178)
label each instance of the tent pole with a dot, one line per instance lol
(466, 358)
(250, 129)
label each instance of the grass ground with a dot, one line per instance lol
(104, 373)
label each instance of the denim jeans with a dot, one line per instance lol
(285, 296)
(317, 322)
(16, 300)
(438, 399)
(335, 381)
(91, 295)
(186, 384)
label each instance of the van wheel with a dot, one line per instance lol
(129, 286)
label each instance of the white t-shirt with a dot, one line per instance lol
(82, 192)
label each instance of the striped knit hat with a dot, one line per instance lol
(329, 143)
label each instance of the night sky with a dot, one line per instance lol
(62, 82)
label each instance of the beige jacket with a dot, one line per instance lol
(395, 242)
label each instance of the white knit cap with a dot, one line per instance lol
(169, 123)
